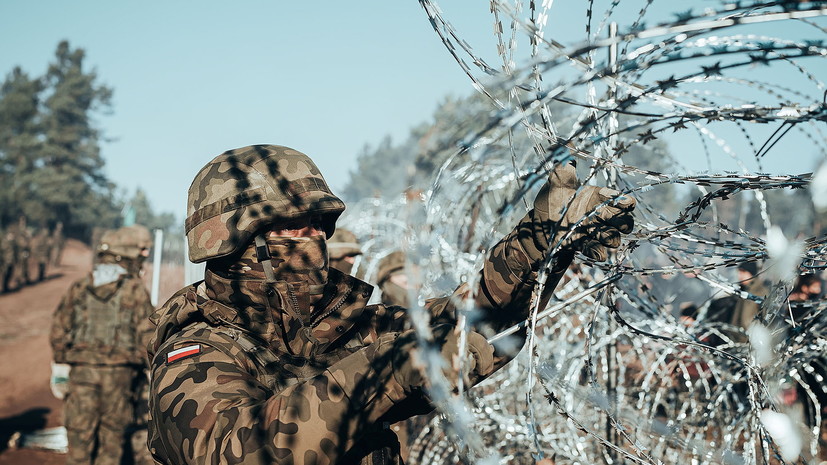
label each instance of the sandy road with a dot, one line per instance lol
(26, 403)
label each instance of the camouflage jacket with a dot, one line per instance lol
(6, 250)
(40, 246)
(746, 309)
(22, 242)
(236, 378)
(104, 325)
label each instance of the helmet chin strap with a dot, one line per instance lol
(263, 256)
(314, 291)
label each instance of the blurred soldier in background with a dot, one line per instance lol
(22, 252)
(745, 309)
(807, 287)
(734, 309)
(392, 279)
(6, 259)
(100, 329)
(277, 358)
(56, 244)
(343, 249)
(40, 253)
(811, 389)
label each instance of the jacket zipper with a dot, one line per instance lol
(316, 321)
(293, 300)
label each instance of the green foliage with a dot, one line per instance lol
(389, 169)
(144, 215)
(381, 171)
(51, 168)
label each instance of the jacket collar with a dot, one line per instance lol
(267, 312)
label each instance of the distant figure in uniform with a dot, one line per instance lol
(100, 330)
(807, 287)
(343, 249)
(392, 280)
(813, 372)
(6, 259)
(22, 250)
(40, 251)
(735, 310)
(56, 244)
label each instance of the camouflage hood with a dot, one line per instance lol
(250, 306)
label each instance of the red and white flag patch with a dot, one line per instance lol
(183, 352)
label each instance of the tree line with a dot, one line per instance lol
(51, 167)
(388, 168)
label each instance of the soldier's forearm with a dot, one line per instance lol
(509, 276)
(58, 339)
(58, 356)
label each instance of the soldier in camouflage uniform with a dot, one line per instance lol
(343, 249)
(277, 358)
(392, 280)
(57, 243)
(6, 259)
(40, 251)
(100, 329)
(22, 252)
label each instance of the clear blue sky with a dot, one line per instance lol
(194, 78)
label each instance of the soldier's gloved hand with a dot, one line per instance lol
(477, 364)
(407, 361)
(59, 380)
(593, 236)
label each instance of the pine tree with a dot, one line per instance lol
(146, 216)
(69, 184)
(19, 102)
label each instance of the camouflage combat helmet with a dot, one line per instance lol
(343, 244)
(391, 263)
(244, 190)
(126, 242)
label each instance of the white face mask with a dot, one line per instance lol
(105, 273)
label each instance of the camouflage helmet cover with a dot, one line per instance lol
(343, 244)
(244, 190)
(391, 263)
(127, 242)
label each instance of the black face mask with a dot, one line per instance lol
(299, 259)
(291, 259)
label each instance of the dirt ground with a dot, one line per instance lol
(26, 403)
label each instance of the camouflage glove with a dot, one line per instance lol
(479, 362)
(407, 370)
(593, 236)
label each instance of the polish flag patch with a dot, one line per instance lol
(183, 353)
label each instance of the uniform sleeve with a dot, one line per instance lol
(144, 328)
(507, 283)
(60, 336)
(509, 276)
(749, 309)
(208, 409)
